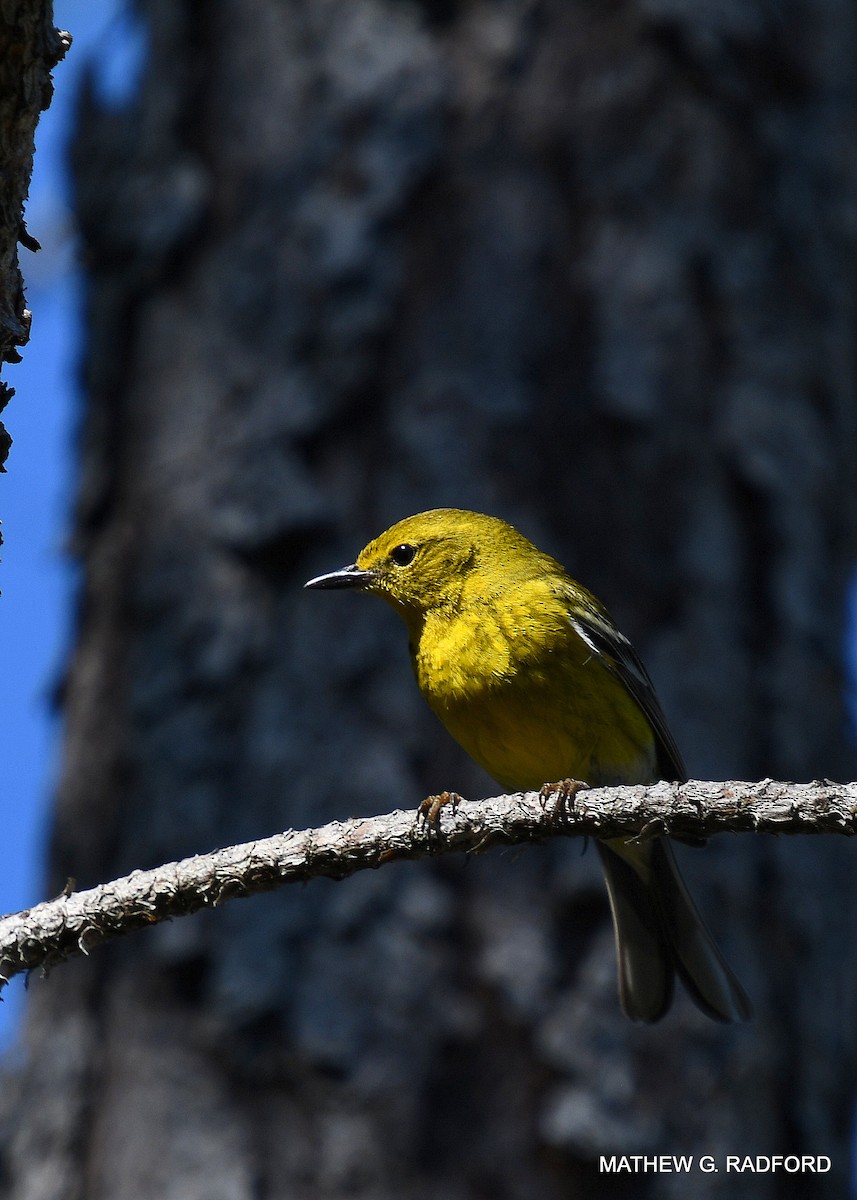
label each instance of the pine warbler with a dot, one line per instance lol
(528, 672)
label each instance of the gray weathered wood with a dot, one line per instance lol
(74, 924)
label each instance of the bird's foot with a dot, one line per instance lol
(428, 810)
(562, 796)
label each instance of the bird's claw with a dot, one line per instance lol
(562, 795)
(428, 810)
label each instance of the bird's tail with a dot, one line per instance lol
(660, 934)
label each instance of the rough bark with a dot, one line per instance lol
(587, 266)
(77, 922)
(30, 47)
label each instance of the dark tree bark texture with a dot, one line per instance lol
(591, 267)
(30, 47)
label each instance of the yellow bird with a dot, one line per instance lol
(530, 675)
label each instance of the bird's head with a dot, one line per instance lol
(430, 560)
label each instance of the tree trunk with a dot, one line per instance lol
(30, 47)
(590, 267)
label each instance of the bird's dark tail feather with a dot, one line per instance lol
(660, 934)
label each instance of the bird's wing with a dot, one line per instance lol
(593, 623)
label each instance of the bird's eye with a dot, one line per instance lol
(402, 555)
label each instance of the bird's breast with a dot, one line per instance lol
(531, 702)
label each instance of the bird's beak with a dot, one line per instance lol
(347, 577)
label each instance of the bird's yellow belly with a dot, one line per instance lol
(533, 728)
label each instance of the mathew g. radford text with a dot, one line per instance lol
(761, 1164)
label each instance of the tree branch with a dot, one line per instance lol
(73, 924)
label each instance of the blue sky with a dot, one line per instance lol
(36, 577)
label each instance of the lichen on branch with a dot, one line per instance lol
(49, 933)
